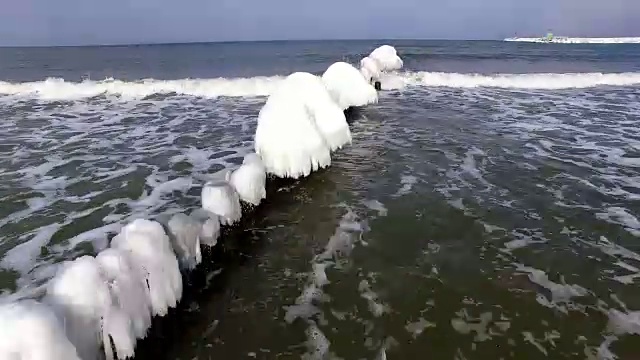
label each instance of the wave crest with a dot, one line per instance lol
(510, 81)
(59, 89)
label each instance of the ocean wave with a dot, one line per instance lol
(58, 89)
(510, 81)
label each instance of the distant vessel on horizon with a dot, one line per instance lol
(550, 38)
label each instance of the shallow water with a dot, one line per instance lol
(464, 222)
(461, 236)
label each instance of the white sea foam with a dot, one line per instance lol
(549, 81)
(624, 323)
(59, 89)
(560, 293)
(306, 306)
(621, 216)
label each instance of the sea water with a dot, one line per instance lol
(487, 208)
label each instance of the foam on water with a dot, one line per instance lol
(509, 81)
(104, 161)
(308, 305)
(621, 216)
(72, 131)
(544, 169)
(560, 293)
(59, 89)
(340, 244)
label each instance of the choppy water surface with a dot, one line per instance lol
(464, 222)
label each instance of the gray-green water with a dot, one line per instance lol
(461, 233)
(473, 217)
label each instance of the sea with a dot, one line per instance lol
(487, 208)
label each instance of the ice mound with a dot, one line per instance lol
(127, 287)
(348, 87)
(287, 138)
(387, 58)
(210, 228)
(97, 307)
(210, 231)
(329, 117)
(220, 198)
(249, 179)
(80, 293)
(370, 69)
(116, 329)
(31, 331)
(184, 233)
(150, 250)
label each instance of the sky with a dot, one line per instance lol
(82, 22)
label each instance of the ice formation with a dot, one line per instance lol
(387, 58)
(370, 69)
(31, 331)
(96, 305)
(348, 87)
(383, 59)
(287, 138)
(79, 292)
(249, 180)
(210, 232)
(150, 249)
(328, 116)
(210, 228)
(184, 233)
(127, 287)
(220, 198)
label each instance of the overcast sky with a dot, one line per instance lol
(74, 22)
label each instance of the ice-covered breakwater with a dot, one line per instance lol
(99, 306)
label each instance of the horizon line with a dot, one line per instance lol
(204, 42)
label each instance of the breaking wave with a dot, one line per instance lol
(511, 81)
(59, 89)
